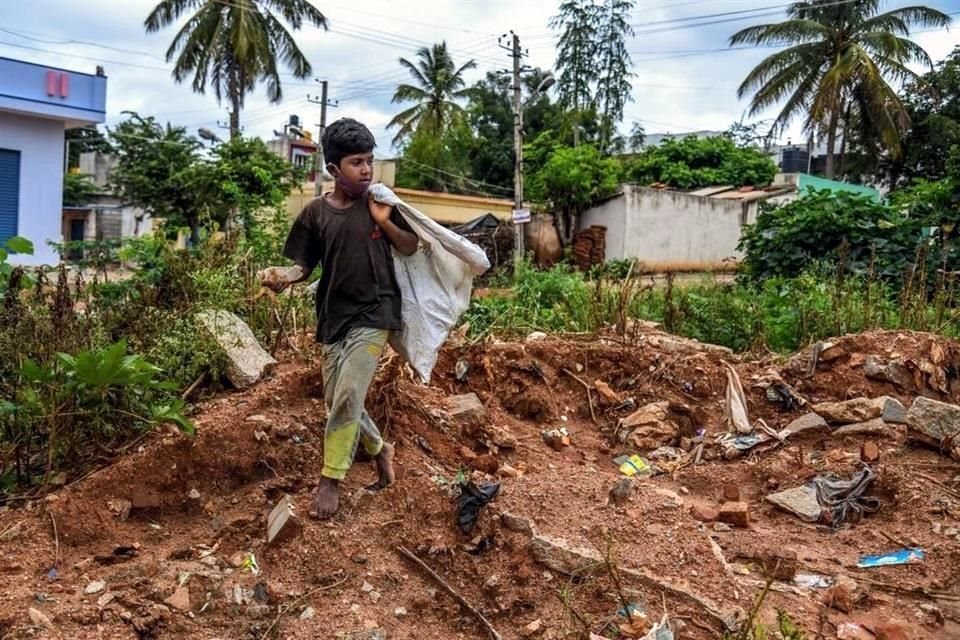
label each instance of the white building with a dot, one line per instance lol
(37, 105)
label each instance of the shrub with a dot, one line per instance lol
(693, 162)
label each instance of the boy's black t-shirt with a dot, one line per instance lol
(358, 285)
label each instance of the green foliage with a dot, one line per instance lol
(691, 163)
(578, 23)
(77, 189)
(233, 47)
(614, 86)
(439, 162)
(84, 140)
(13, 245)
(867, 236)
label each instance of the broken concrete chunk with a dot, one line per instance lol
(39, 618)
(180, 600)
(895, 372)
(808, 422)
(860, 410)
(935, 423)
(283, 521)
(800, 501)
(516, 523)
(247, 361)
(564, 557)
(877, 426)
(467, 405)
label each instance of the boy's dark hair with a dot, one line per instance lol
(345, 137)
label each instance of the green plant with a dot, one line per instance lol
(693, 162)
(77, 189)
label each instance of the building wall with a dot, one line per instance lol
(672, 231)
(40, 142)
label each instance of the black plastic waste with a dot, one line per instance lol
(472, 499)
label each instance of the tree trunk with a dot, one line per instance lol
(831, 141)
(234, 115)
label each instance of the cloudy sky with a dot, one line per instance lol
(686, 77)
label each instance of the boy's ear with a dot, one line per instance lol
(332, 169)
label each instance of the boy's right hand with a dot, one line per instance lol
(277, 279)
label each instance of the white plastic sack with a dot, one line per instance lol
(435, 284)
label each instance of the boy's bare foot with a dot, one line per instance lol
(326, 499)
(385, 472)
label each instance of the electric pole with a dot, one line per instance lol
(324, 103)
(519, 216)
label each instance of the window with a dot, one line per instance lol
(9, 193)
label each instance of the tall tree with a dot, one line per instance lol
(439, 84)
(233, 44)
(578, 23)
(638, 136)
(613, 83)
(840, 57)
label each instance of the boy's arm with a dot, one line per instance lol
(302, 247)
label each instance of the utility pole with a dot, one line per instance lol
(324, 103)
(519, 216)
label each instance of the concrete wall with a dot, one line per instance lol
(40, 143)
(672, 231)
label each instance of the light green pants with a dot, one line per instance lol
(348, 368)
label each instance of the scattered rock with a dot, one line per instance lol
(807, 422)
(800, 501)
(501, 437)
(735, 513)
(308, 614)
(830, 351)
(467, 405)
(853, 631)
(655, 425)
(622, 490)
(935, 423)
(259, 611)
(467, 453)
(374, 596)
(507, 471)
(721, 527)
(516, 523)
(492, 583)
(39, 618)
(536, 336)
(731, 492)
(105, 599)
(563, 556)
(532, 629)
(194, 494)
(359, 559)
(237, 559)
(556, 439)
(180, 600)
(860, 410)
(780, 564)
(247, 361)
(608, 395)
(842, 595)
(704, 513)
(486, 463)
(366, 587)
(875, 427)
(895, 372)
(870, 453)
(282, 523)
(95, 587)
(400, 612)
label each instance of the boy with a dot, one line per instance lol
(358, 301)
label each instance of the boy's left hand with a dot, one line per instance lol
(379, 212)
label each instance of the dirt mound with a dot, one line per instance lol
(176, 530)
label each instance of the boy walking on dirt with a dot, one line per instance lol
(350, 236)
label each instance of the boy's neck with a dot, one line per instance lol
(340, 199)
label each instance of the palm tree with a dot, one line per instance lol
(233, 44)
(841, 59)
(439, 84)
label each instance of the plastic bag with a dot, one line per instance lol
(435, 285)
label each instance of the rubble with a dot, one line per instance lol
(467, 405)
(842, 595)
(895, 372)
(564, 557)
(282, 524)
(39, 618)
(870, 453)
(655, 425)
(247, 361)
(861, 410)
(806, 422)
(180, 600)
(800, 501)
(875, 427)
(735, 513)
(936, 424)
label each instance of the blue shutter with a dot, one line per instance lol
(9, 193)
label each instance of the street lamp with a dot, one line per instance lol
(521, 217)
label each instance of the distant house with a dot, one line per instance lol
(693, 231)
(37, 105)
(105, 216)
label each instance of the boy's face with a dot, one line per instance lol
(358, 167)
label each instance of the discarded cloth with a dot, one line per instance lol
(435, 284)
(844, 500)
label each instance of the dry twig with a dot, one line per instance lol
(56, 541)
(446, 587)
(586, 386)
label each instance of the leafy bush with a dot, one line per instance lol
(693, 162)
(868, 236)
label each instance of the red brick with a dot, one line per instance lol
(731, 492)
(870, 452)
(735, 513)
(704, 513)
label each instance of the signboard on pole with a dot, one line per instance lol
(521, 216)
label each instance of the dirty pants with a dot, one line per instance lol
(348, 368)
